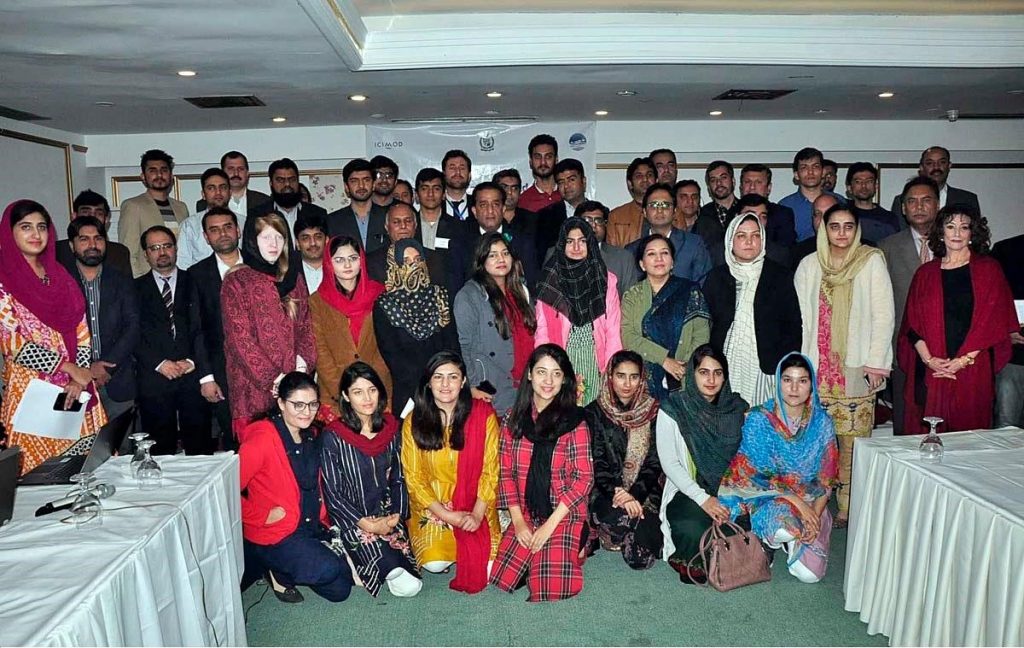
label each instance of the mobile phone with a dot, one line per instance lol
(58, 404)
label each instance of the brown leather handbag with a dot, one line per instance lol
(731, 561)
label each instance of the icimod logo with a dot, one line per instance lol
(486, 144)
(577, 141)
(389, 145)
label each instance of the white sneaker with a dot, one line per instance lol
(403, 584)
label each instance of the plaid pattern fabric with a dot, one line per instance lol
(555, 572)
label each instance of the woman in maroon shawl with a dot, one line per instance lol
(956, 331)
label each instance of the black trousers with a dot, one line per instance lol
(174, 410)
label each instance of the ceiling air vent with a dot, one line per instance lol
(20, 115)
(249, 101)
(963, 115)
(752, 95)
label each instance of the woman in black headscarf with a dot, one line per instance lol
(412, 320)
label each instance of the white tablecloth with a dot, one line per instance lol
(935, 555)
(162, 575)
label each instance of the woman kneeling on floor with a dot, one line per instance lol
(450, 458)
(364, 487)
(786, 469)
(546, 477)
(283, 515)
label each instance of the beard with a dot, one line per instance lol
(91, 258)
(288, 199)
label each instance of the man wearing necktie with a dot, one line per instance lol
(457, 169)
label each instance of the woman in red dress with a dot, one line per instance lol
(546, 478)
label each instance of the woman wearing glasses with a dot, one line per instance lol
(283, 514)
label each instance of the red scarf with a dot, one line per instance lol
(522, 339)
(472, 550)
(369, 447)
(59, 304)
(360, 304)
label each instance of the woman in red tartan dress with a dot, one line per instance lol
(546, 477)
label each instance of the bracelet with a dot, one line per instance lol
(967, 361)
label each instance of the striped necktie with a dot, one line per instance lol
(168, 298)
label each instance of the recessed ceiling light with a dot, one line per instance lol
(494, 94)
(377, 115)
(600, 113)
(821, 111)
(186, 73)
(931, 110)
(715, 113)
(801, 76)
(886, 95)
(104, 104)
(279, 120)
(1015, 92)
(357, 97)
(493, 112)
(626, 93)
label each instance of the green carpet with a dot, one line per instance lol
(617, 607)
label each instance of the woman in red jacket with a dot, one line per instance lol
(283, 514)
(267, 328)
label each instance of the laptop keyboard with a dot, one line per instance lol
(63, 472)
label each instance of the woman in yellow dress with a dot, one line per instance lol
(450, 460)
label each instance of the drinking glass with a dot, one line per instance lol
(87, 508)
(931, 447)
(139, 455)
(149, 473)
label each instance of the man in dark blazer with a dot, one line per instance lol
(399, 224)
(112, 313)
(487, 209)
(781, 227)
(935, 164)
(904, 252)
(220, 227)
(236, 165)
(362, 219)
(285, 197)
(169, 354)
(90, 203)
(1010, 380)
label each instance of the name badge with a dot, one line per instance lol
(440, 243)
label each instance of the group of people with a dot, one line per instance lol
(397, 373)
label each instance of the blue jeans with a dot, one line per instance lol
(1010, 396)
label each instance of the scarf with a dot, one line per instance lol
(678, 302)
(712, 431)
(471, 549)
(576, 289)
(57, 303)
(637, 413)
(369, 447)
(360, 304)
(744, 271)
(544, 439)
(522, 339)
(813, 414)
(252, 257)
(410, 301)
(837, 283)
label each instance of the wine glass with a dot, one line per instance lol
(931, 447)
(87, 508)
(149, 473)
(139, 454)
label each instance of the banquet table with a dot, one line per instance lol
(935, 552)
(162, 568)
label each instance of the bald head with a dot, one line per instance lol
(821, 205)
(401, 221)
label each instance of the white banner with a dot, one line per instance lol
(491, 146)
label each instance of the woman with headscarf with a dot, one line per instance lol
(847, 308)
(785, 470)
(664, 317)
(43, 331)
(578, 305)
(627, 475)
(340, 311)
(755, 315)
(267, 329)
(413, 319)
(699, 430)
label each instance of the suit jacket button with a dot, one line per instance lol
(491, 354)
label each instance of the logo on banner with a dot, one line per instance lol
(394, 144)
(486, 144)
(577, 141)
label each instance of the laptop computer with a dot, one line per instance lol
(58, 470)
(10, 465)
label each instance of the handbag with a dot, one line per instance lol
(731, 561)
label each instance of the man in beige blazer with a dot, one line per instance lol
(154, 207)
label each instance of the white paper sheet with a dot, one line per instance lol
(1019, 303)
(35, 413)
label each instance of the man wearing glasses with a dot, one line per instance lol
(385, 177)
(618, 261)
(692, 259)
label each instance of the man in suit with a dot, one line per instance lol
(236, 166)
(436, 228)
(192, 245)
(458, 170)
(519, 221)
(153, 207)
(692, 260)
(90, 203)
(285, 196)
(757, 179)
(220, 229)
(361, 219)
(170, 355)
(904, 252)
(488, 210)
(935, 163)
(619, 262)
(399, 224)
(1010, 380)
(111, 312)
(720, 179)
(310, 238)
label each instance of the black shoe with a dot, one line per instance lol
(289, 595)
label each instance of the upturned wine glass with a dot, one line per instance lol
(931, 446)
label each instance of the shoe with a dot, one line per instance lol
(289, 595)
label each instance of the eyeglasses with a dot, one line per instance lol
(385, 175)
(160, 247)
(302, 408)
(594, 221)
(660, 204)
